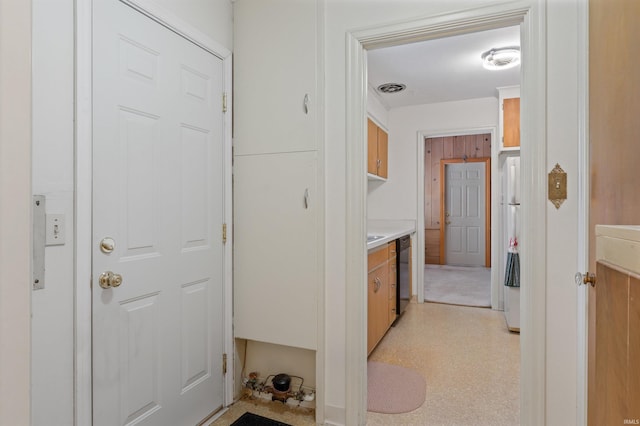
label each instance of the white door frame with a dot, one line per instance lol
(583, 210)
(420, 243)
(532, 17)
(83, 190)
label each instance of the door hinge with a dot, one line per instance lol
(224, 233)
(224, 102)
(224, 363)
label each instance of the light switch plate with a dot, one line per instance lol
(55, 230)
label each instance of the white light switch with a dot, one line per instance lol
(55, 229)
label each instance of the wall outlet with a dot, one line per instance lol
(55, 230)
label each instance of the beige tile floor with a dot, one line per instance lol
(470, 361)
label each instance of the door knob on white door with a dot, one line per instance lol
(586, 278)
(109, 279)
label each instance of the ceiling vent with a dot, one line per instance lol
(502, 58)
(391, 88)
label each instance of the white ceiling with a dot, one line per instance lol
(442, 70)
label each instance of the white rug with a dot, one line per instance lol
(457, 285)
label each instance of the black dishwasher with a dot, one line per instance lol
(404, 274)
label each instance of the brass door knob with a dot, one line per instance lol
(109, 279)
(586, 278)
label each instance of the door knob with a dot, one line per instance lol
(586, 278)
(448, 222)
(109, 279)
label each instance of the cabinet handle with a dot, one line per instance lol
(305, 103)
(377, 285)
(307, 199)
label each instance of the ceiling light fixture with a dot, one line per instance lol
(391, 87)
(501, 58)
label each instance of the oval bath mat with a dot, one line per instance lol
(392, 389)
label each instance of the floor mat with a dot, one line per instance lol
(392, 389)
(250, 419)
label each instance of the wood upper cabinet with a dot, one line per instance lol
(511, 112)
(378, 150)
(509, 117)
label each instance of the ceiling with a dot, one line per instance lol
(442, 70)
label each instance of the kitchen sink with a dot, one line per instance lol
(371, 238)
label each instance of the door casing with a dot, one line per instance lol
(83, 188)
(487, 204)
(531, 17)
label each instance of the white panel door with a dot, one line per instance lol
(465, 214)
(275, 248)
(157, 192)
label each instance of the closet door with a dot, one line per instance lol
(275, 248)
(275, 57)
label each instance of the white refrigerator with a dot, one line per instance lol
(511, 215)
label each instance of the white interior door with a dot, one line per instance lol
(465, 214)
(157, 193)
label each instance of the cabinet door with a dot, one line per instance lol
(372, 329)
(275, 248)
(383, 153)
(372, 147)
(274, 70)
(377, 305)
(511, 131)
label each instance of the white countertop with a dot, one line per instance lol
(620, 245)
(389, 230)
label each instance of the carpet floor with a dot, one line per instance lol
(458, 285)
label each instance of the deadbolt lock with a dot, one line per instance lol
(109, 279)
(107, 245)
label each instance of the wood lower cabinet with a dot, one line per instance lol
(617, 355)
(381, 293)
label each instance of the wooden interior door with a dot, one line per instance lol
(614, 107)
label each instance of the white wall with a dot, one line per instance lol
(53, 176)
(345, 16)
(397, 197)
(15, 208)
(52, 307)
(212, 17)
(376, 110)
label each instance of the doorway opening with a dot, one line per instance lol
(533, 125)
